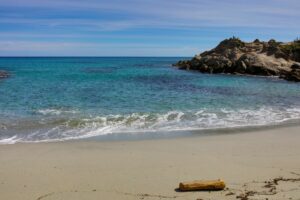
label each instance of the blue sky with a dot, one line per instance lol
(139, 27)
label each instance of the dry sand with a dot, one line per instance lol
(152, 169)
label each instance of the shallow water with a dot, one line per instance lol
(66, 98)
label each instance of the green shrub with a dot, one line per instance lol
(232, 42)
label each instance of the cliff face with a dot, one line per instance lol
(234, 56)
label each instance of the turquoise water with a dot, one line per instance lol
(66, 98)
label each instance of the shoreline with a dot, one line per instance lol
(152, 169)
(157, 135)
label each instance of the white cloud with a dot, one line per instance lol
(26, 48)
(38, 22)
(168, 14)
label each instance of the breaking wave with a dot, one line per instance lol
(53, 111)
(61, 128)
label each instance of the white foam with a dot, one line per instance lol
(11, 140)
(136, 123)
(55, 111)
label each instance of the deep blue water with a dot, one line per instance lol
(65, 98)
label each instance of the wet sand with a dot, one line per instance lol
(255, 165)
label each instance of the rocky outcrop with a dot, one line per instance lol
(3, 74)
(234, 56)
(294, 75)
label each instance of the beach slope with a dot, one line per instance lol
(255, 165)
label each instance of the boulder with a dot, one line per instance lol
(294, 75)
(261, 64)
(296, 66)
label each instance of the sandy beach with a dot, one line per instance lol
(147, 100)
(152, 169)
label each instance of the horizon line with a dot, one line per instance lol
(93, 56)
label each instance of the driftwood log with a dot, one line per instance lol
(202, 185)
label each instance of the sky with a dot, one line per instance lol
(139, 27)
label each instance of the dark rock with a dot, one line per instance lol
(203, 68)
(296, 66)
(241, 67)
(294, 75)
(4, 74)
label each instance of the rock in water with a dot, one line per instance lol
(234, 56)
(294, 75)
(3, 74)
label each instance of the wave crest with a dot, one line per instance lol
(53, 111)
(75, 128)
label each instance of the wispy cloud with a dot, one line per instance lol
(130, 20)
(176, 13)
(25, 48)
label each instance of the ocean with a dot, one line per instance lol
(63, 98)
